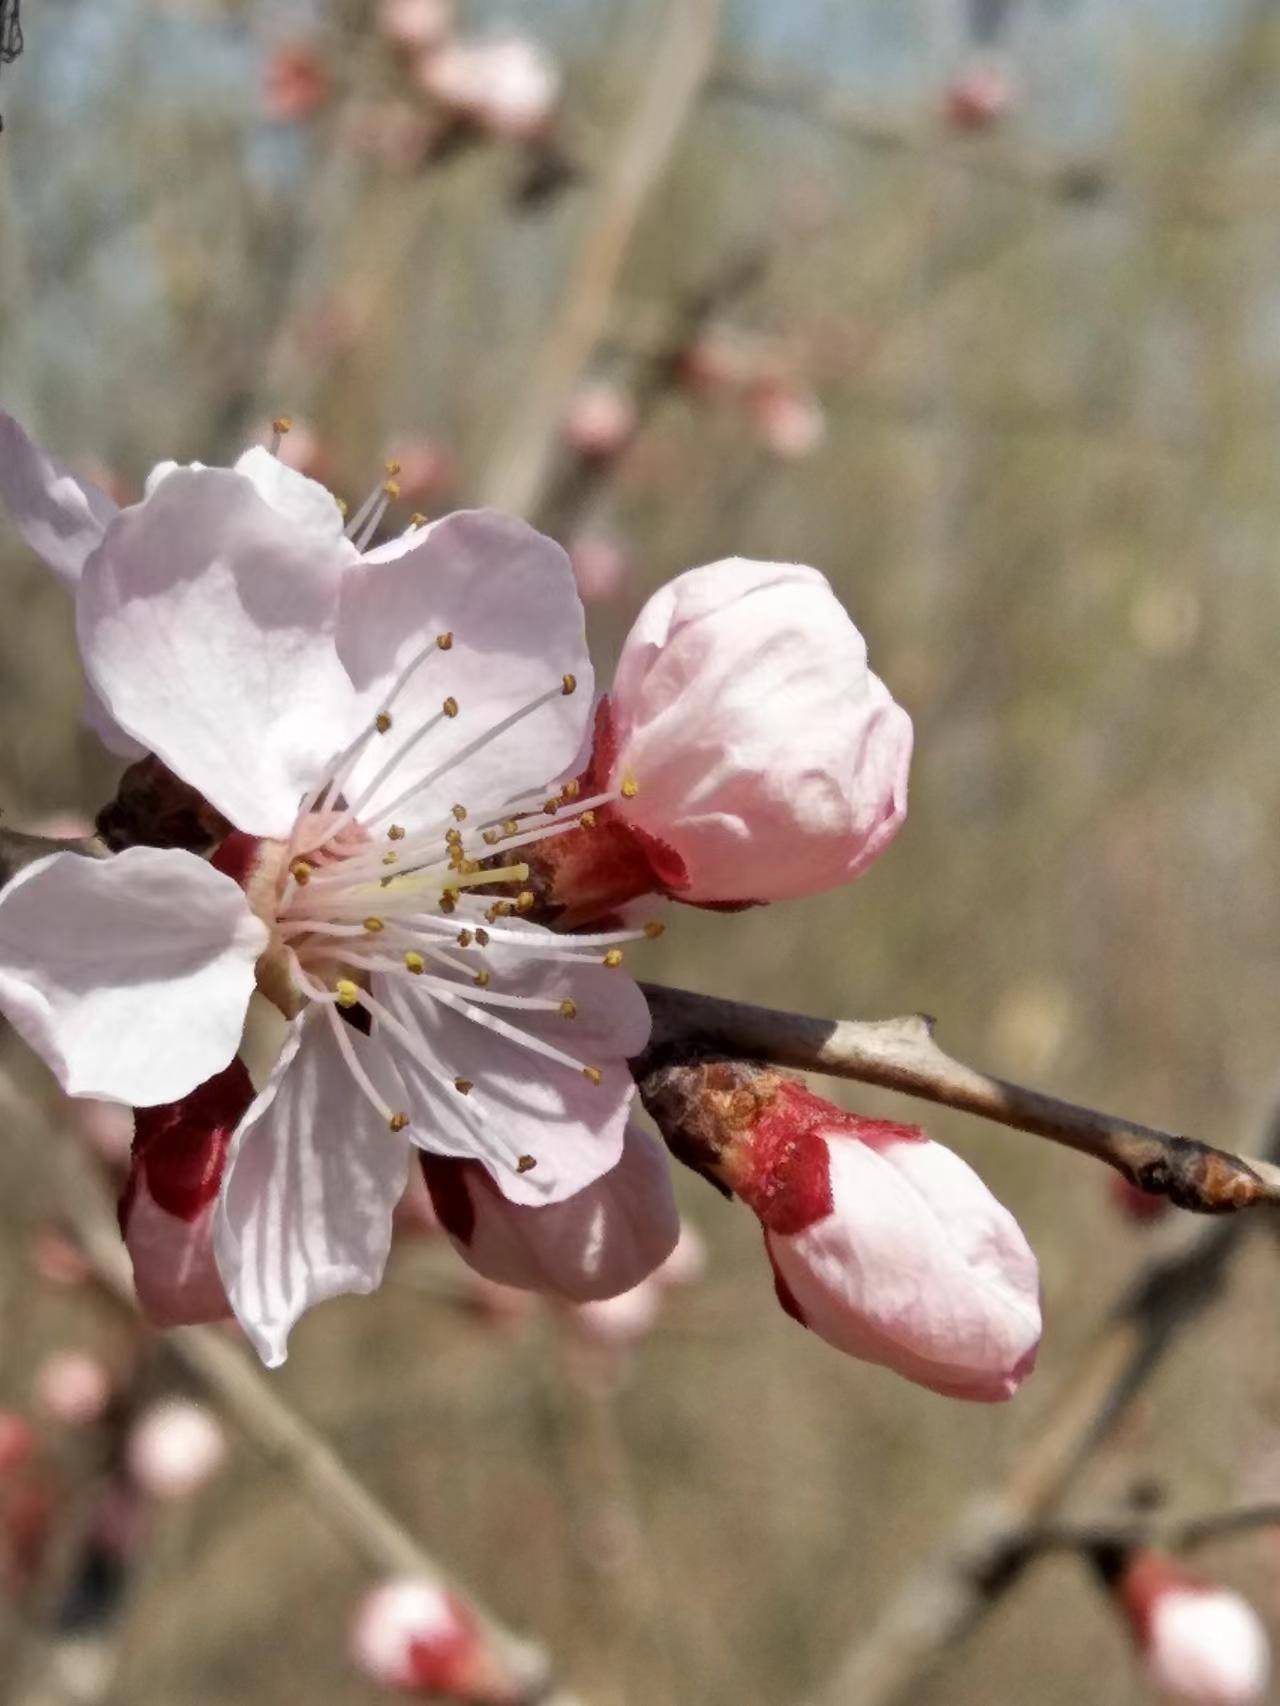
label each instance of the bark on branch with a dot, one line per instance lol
(901, 1054)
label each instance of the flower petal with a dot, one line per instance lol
(598, 1243)
(522, 1104)
(311, 1182)
(304, 501)
(58, 514)
(130, 976)
(206, 623)
(507, 597)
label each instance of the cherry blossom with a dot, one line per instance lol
(173, 1448)
(383, 729)
(507, 84)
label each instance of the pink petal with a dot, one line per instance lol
(301, 500)
(129, 976)
(59, 515)
(507, 596)
(596, 1244)
(915, 1265)
(311, 1182)
(168, 1206)
(523, 1104)
(766, 755)
(206, 624)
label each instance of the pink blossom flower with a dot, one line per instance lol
(597, 1244)
(417, 1637)
(415, 24)
(508, 85)
(979, 97)
(599, 421)
(789, 419)
(174, 1447)
(383, 731)
(73, 1387)
(888, 1246)
(1200, 1643)
(297, 83)
(756, 755)
(601, 568)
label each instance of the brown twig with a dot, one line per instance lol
(675, 73)
(942, 1601)
(901, 1054)
(1170, 1533)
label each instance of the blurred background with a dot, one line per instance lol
(974, 307)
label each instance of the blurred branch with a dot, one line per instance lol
(940, 1603)
(284, 1438)
(900, 1054)
(1171, 1533)
(679, 64)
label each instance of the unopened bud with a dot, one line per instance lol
(412, 1635)
(1199, 1642)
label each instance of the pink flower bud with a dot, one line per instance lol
(1200, 1643)
(599, 421)
(173, 1448)
(600, 567)
(789, 419)
(73, 1387)
(757, 755)
(884, 1243)
(415, 24)
(978, 98)
(507, 85)
(297, 83)
(414, 1636)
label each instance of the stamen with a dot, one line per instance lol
(382, 722)
(450, 707)
(279, 427)
(630, 788)
(525, 1164)
(613, 958)
(398, 1122)
(348, 993)
(568, 1008)
(342, 1035)
(592, 1074)
(463, 1086)
(568, 684)
(414, 962)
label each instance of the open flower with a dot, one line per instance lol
(383, 733)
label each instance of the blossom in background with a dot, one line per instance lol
(297, 83)
(411, 1635)
(601, 567)
(383, 732)
(1199, 1642)
(507, 85)
(599, 421)
(173, 1448)
(979, 97)
(73, 1387)
(788, 417)
(415, 24)
(618, 1323)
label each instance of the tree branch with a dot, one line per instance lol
(1170, 1533)
(901, 1054)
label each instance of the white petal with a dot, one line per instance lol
(59, 515)
(523, 1104)
(507, 596)
(130, 976)
(303, 501)
(311, 1180)
(206, 623)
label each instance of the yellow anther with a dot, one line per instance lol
(343, 507)
(511, 827)
(391, 469)
(524, 900)
(491, 837)
(551, 807)
(568, 683)
(444, 641)
(398, 1122)
(568, 1008)
(450, 706)
(382, 722)
(588, 820)
(482, 937)
(300, 871)
(348, 993)
(373, 925)
(391, 490)
(452, 894)
(414, 962)
(448, 904)
(463, 1086)
(654, 928)
(282, 424)
(417, 519)
(469, 867)
(526, 1164)
(390, 858)
(460, 812)
(570, 791)
(613, 957)
(592, 1073)
(483, 979)
(453, 837)
(396, 832)
(464, 938)
(630, 788)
